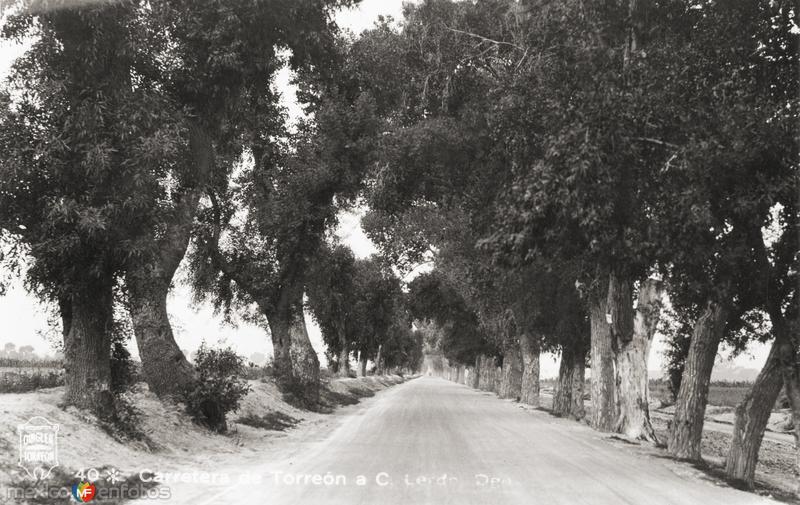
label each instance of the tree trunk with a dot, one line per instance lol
(632, 356)
(166, 369)
(295, 360)
(279, 324)
(344, 361)
(577, 410)
(65, 308)
(789, 357)
(87, 348)
(686, 431)
(362, 364)
(511, 375)
(604, 404)
(792, 384)
(529, 347)
(752, 416)
(148, 278)
(378, 361)
(562, 399)
(305, 363)
(487, 374)
(480, 378)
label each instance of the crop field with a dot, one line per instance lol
(720, 394)
(23, 376)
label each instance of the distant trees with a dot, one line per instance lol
(10, 351)
(361, 309)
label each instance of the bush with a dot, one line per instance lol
(220, 387)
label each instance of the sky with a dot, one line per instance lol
(25, 319)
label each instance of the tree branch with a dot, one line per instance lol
(485, 39)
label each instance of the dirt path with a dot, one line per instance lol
(432, 441)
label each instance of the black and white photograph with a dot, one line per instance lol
(400, 252)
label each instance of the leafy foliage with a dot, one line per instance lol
(432, 298)
(358, 303)
(565, 151)
(332, 293)
(219, 389)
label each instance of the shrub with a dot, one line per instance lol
(220, 387)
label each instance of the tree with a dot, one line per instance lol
(445, 161)
(235, 49)
(10, 351)
(331, 295)
(360, 307)
(583, 188)
(432, 298)
(401, 347)
(77, 137)
(289, 201)
(732, 164)
(26, 353)
(375, 309)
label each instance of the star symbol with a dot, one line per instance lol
(113, 476)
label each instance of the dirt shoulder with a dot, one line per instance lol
(173, 442)
(776, 473)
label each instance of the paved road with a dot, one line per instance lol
(430, 441)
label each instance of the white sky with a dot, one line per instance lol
(26, 319)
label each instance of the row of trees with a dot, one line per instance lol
(361, 308)
(564, 165)
(571, 165)
(24, 353)
(138, 133)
